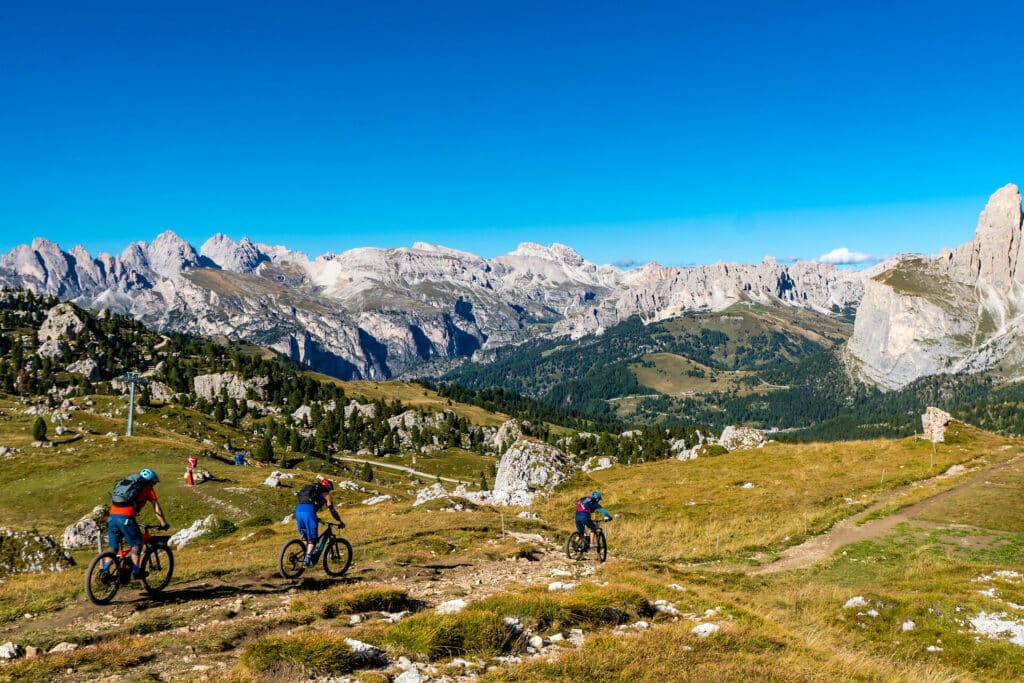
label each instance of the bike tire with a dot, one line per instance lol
(100, 593)
(337, 557)
(574, 546)
(602, 546)
(158, 563)
(289, 562)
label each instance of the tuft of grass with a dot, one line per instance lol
(471, 631)
(258, 520)
(588, 605)
(219, 529)
(104, 658)
(335, 602)
(317, 653)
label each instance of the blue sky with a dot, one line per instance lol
(678, 132)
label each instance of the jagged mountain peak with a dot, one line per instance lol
(239, 257)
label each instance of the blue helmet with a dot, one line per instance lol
(596, 495)
(150, 476)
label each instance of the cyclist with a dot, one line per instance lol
(122, 523)
(585, 507)
(312, 498)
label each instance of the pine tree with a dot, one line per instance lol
(367, 473)
(266, 450)
(39, 429)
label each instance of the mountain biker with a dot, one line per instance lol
(312, 498)
(585, 507)
(122, 523)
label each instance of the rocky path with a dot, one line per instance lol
(401, 468)
(848, 531)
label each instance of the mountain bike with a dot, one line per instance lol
(156, 561)
(577, 545)
(336, 552)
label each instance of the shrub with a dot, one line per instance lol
(591, 607)
(219, 528)
(39, 429)
(332, 603)
(448, 635)
(317, 653)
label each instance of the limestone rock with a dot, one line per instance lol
(51, 348)
(61, 323)
(86, 532)
(88, 368)
(185, 536)
(23, 552)
(934, 422)
(211, 386)
(239, 257)
(527, 467)
(10, 651)
(737, 438)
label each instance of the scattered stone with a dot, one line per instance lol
(288, 519)
(677, 587)
(394, 617)
(705, 630)
(856, 601)
(10, 651)
(537, 643)
(186, 536)
(377, 500)
(451, 607)
(366, 654)
(410, 676)
(556, 638)
(559, 586)
(526, 514)
(665, 607)
(933, 648)
(908, 626)
(31, 651)
(747, 485)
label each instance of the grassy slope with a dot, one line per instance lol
(784, 627)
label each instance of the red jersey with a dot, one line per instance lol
(145, 495)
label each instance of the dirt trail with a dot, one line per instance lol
(847, 531)
(401, 468)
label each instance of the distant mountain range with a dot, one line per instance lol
(381, 313)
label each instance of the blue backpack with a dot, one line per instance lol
(127, 490)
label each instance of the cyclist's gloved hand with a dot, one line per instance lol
(607, 518)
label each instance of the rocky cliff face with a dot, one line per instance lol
(958, 312)
(378, 313)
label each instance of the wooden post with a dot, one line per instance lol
(883, 477)
(805, 524)
(931, 463)
(718, 543)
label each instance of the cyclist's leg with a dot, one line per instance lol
(114, 534)
(133, 537)
(308, 528)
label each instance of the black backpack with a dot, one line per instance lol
(308, 493)
(127, 490)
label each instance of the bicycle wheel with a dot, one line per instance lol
(158, 563)
(337, 557)
(574, 546)
(290, 561)
(101, 587)
(602, 546)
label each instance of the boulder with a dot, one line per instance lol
(507, 434)
(597, 464)
(739, 438)
(86, 532)
(88, 368)
(432, 492)
(10, 651)
(528, 467)
(934, 422)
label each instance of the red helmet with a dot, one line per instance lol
(326, 484)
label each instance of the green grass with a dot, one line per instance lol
(471, 631)
(316, 653)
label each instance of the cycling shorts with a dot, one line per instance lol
(583, 521)
(306, 521)
(123, 526)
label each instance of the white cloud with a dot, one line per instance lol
(844, 257)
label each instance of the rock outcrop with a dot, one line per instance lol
(528, 467)
(934, 422)
(959, 312)
(741, 438)
(86, 367)
(228, 384)
(61, 323)
(23, 552)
